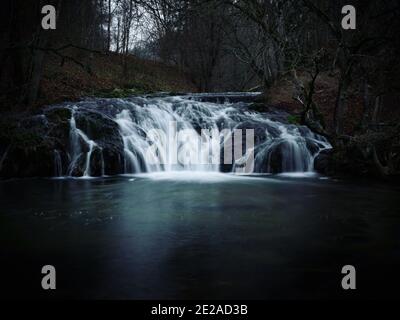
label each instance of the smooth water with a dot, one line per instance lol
(199, 235)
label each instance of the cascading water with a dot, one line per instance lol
(74, 143)
(189, 133)
(57, 164)
(76, 136)
(151, 145)
(289, 150)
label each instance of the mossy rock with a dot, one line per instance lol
(294, 119)
(29, 160)
(21, 136)
(7, 130)
(258, 107)
(125, 92)
(60, 114)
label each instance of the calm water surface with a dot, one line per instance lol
(204, 235)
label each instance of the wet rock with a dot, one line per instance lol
(345, 161)
(25, 147)
(258, 107)
(105, 133)
(28, 155)
(33, 142)
(324, 163)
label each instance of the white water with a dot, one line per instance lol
(57, 164)
(77, 137)
(296, 156)
(164, 135)
(161, 137)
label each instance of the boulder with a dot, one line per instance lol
(324, 163)
(32, 146)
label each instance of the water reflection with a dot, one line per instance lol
(202, 237)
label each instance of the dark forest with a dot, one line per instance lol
(343, 84)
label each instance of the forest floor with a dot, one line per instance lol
(102, 76)
(282, 95)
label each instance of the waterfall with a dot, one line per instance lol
(76, 136)
(58, 170)
(91, 145)
(295, 150)
(103, 167)
(191, 133)
(75, 147)
(134, 142)
(162, 137)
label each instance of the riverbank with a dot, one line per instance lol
(363, 150)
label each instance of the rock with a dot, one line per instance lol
(105, 132)
(324, 163)
(258, 107)
(345, 161)
(28, 155)
(29, 147)
(275, 159)
(25, 149)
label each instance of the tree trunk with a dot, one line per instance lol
(118, 35)
(42, 37)
(341, 105)
(375, 114)
(109, 26)
(37, 68)
(366, 105)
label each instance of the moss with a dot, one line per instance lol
(27, 139)
(120, 92)
(12, 133)
(258, 107)
(97, 126)
(23, 138)
(294, 119)
(59, 114)
(6, 128)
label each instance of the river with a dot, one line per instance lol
(199, 235)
